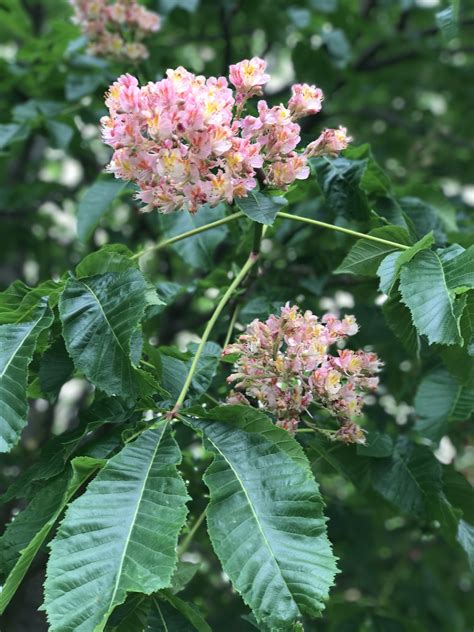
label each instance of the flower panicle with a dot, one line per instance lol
(103, 22)
(285, 364)
(185, 140)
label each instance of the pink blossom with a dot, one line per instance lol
(103, 21)
(284, 365)
(185, 142)
(305, 100)
(248, 76)
(329, 143)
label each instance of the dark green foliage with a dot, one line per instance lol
(99, 329)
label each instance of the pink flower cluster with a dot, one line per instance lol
(185, 142)
(115, 29)
(284, 365)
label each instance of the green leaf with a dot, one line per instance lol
(110, 258)
(447, 21)
(185, 571)
(424, 289)
(61, 133)
(340, 181)
(120, 536)
(260, 207)
(365, 256)
(17, 345)
(343, 458)
(131, 616)
(374, 179)
(265, 520)
(459, 271)
(197, 251)
(390, 267)
(80, 84)
(465, 537)
(255, 421)
(424, 217)
(8, 132)
(409, 479)
(94, 204)
(459, 492)
(159, 613)
(56, 367)
(459, 360)
(99, 316)
(166, 6)
(441, 398)
(27, 533)
(399, 320)
(376, 445)
(175, 370)
(56, 453)
(172, 613)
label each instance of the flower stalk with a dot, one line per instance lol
(210, 325)
(189, 233)
(340, 229)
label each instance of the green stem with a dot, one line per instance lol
(187, 540)
(189, 233)
(231, 325)
(154, 425)
(212, 399)
(210, 324)
(340, 229)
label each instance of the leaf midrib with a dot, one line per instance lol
(132, 523)
(104, 315)
(28, 333)
(161, 615)
(254, 514)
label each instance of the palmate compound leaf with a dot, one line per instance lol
(99, 315)
(120, 536)
(265, 516)
(25, 536)
(17, 345)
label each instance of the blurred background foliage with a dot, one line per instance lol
(398, 75)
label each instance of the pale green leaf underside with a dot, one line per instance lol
(429, 284)
(17, 345)
(425, 292)
(465, 536)
(120, 536)
(365, 256)
(99, 316)
(390, 267)
(266, 523)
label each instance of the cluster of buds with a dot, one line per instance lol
(115, 29)
(284, 365)
(185, 141)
